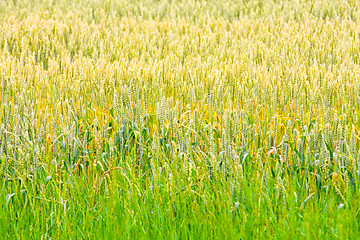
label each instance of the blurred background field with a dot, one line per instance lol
(179, 119)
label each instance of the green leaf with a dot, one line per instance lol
(8, 198)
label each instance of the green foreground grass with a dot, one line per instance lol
(186, 205)
(179, 119)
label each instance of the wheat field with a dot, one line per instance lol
(179, 119)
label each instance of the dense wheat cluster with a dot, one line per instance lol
(179, 119)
